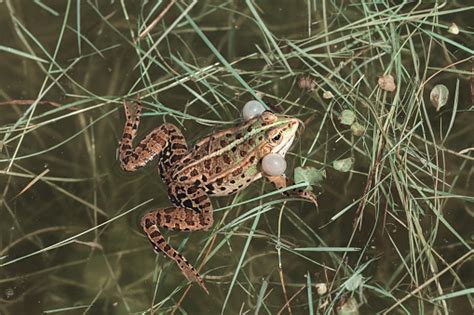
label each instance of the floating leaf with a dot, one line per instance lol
(453, 29)
(439, 96)
(309, 175)
(347, 117)
(387, 83)
(344, 165)
(354, 282)
(321, 288)
(327, 95)
(357, 129)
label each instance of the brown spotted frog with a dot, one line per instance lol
(220, 164)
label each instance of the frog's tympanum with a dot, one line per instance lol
(220, 164)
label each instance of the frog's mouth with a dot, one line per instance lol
(285, 146)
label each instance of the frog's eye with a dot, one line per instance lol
(274, 137)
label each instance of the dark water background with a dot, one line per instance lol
(115, 270)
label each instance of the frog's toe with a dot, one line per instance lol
(132, 109)
(310, 196)
(192, 275)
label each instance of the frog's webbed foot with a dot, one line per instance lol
(282, 182)
(132, 111)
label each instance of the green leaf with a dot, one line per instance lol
(357, 129)
(354, 282)
(347, 117)
(344, 165)
(309, 175)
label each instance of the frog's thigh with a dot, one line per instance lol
(193, 210)
(182, 219)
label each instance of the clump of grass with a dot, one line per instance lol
(393, 229)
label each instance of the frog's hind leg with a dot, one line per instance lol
(165, 136)
(180, 219)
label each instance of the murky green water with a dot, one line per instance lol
(60, 177)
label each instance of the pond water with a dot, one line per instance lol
(397, 221)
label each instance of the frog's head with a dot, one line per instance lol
(276, 132)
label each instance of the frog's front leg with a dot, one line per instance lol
(193, 212)
(282, 182)
(152, 145)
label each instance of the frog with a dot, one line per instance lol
(220, 164)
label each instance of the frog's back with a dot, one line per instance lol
(223, 162)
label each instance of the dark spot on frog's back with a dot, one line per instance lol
(176, 158)
(181, 196)
(243, 153)
(189, 220)
(207, 164)
(177, 146)
(194, 173)
(223, 143)
(200, 199)
(192, 189)
(226, 158)
(188, 203)
(237, 171)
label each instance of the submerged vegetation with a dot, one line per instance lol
(389, 151)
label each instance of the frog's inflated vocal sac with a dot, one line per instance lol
(219, 164)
